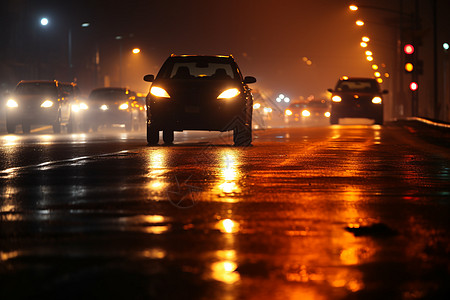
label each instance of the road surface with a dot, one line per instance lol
(332, 212)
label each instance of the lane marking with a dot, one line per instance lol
(10, 171)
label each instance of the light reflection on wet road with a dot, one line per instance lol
(293, 217)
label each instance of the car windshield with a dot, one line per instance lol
(321, 103)
(201, 69)
(369, 86)
(109, 94)
(36, 88)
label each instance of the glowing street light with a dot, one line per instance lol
(375, 67)
(353, 7)
(44, 21)
(369, 58)
(360, 23)
(136, 50)
(363, 44)
(365, 39)
(369, 53)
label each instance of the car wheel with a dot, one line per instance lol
(242, 135)
(168, 136)
(152, 135)
(334, 120)
(26, 127)
(379, 120)
(10, 127)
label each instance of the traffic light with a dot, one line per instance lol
(408, 49)
(413, 86)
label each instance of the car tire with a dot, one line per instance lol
(26, 127)
(379, 120)
(242, 135)
(152, 135)
(168, 137)
(10, 127)
(334, 120)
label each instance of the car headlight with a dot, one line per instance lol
(47, 104)
(377, 100)
(336, 98)
(327, 114)
(123, 106)
(228, 94)
(11, 103)
(75, 108)
(104, 107)
(288, 112)
(306, 113)
(84, 106)
(159, 92)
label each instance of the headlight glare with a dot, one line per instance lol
(288, 112)
(336, 98)
(104, 107)
(306, 113)
(47, 104)
(83, 106)
(159, 92)
(377, 100)
(228, 94)
(123, 106)
(11, 103)
(327, 114)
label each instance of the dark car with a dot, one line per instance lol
(39, 103)
(357, 98)
(194, 92)
(107, 107)
(311, 112)
(294, 113)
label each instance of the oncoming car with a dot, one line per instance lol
(312, 112)
(357, 98)
(107, 107)
(193, 92)
(39, 103)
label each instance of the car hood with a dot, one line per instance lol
(199, 88)
(33, 98)
(361, 94)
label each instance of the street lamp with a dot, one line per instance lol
(359, 22)
(44, 21)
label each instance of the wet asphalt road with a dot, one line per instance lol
(332, 212)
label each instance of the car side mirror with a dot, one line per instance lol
(149, 78)
(330, 90)
(385, 92)
(249, 79)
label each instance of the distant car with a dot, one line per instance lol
(72, 92)
(139, 112)
(357, 98)
(194, 92)
(39, 103)
(317, 110)
(107, 107)
(295, 113)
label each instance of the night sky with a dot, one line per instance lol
(269, 39)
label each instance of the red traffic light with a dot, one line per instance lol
(413, 86)
(409, 49)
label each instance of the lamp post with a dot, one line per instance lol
(395, 107)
